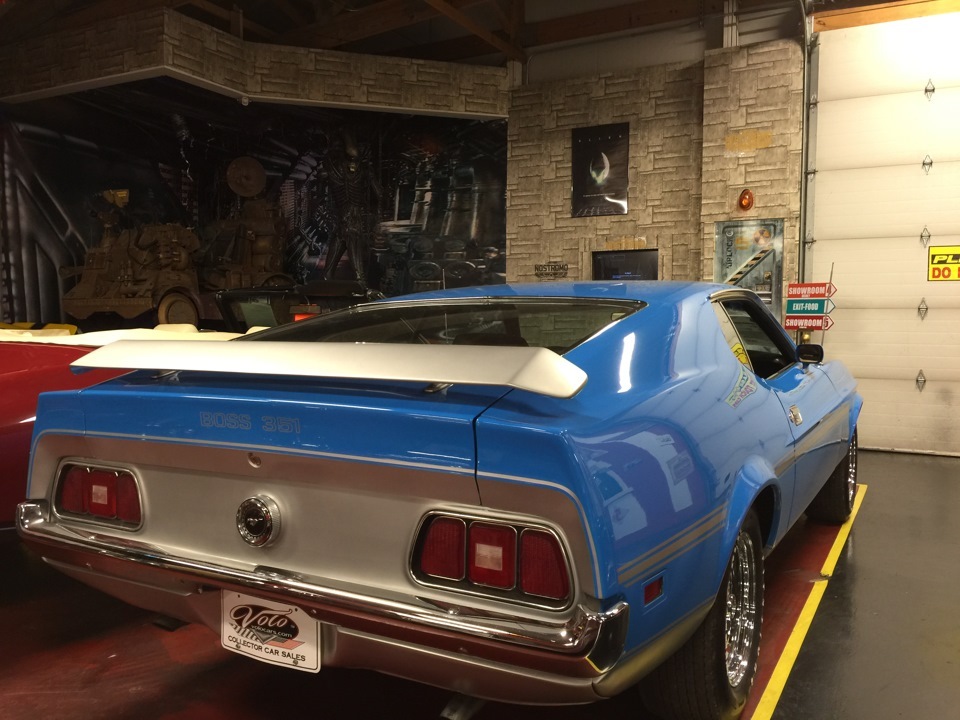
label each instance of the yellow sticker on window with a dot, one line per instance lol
(741, 354)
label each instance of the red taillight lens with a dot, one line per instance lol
(443, 550)
(71, 490)
(100, 493)
(493, 555)
(128, 499)
(507, 560)
(543, 570)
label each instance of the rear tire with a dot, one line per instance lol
(834, 503)
(709, 677)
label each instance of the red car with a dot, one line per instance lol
(32, 364)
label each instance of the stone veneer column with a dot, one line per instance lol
(752, 138)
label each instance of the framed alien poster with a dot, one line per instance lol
(600, 160)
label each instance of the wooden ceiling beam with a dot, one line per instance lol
(22, 17)
(518, 16)
(290, 11)
(510, 14)
(229, 16)
(856, 15)
(376, 19)
(632, 16)
(511, 50)
(108, 9)
(452, 50)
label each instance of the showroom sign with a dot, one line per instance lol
(809, 306)
(944, 263)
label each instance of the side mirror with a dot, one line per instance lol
(809, 353)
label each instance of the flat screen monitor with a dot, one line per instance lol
(625, 265)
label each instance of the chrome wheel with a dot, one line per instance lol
(742, 611)
(711, 675)
(852, 470)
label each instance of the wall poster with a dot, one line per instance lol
(750, 255)
(601, 159)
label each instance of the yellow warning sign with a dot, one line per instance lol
(944, 263)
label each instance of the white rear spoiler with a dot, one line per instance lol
(537, 370)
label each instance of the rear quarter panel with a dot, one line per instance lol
(650, 453)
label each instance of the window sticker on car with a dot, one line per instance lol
(741, 354)
(272, 632)
(745, 386)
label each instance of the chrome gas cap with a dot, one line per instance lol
(258, 520)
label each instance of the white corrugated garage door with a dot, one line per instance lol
(874, 203)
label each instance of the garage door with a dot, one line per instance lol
(886, 218)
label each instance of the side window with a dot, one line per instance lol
(731, 335)
(753, 337)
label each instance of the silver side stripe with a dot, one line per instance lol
(537, 370)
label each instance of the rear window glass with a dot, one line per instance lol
(558, 324)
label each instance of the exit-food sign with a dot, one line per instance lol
(944, 263)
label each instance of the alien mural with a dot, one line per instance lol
(355, 195)
(389, 212)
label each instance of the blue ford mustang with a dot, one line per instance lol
(533, 493)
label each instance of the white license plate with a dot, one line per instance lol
(269, 631)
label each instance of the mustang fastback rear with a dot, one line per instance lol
(539, 494)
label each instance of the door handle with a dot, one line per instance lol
(795, 417)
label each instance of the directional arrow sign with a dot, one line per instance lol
(810, 306)
(811, 290)
(807, 322)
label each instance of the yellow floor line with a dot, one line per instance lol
(771, 694)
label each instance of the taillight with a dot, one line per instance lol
(71, 490)
(442, 555)
(128, 499)
(502, 559)
(99, 494)
(493, 555)
(543, 570)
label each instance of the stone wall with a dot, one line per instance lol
(663, 106)
(164, 42)
(699, 133)
(752, 139)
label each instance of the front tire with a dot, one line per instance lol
(710, 676)
(834, 503)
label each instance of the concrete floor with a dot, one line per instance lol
(885, 642)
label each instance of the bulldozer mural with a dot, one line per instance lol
(169, 270)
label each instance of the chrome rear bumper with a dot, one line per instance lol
(575, 651)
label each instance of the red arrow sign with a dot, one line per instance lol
(810, 290)
(807, 322)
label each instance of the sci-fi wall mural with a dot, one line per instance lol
(120, 197)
